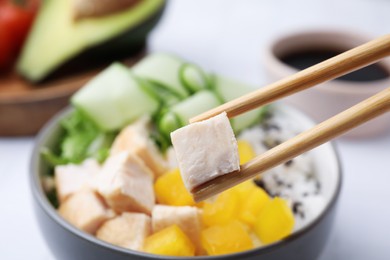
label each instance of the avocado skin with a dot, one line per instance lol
(129, 44)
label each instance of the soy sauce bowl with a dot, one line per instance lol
(67, 242)
(288, 53)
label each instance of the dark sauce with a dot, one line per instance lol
(304, 59)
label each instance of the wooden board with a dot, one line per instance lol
(25, 107)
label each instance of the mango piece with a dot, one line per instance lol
(170, 190)
(253, 205)
(170, 241)
(223, 210)
(244, 189)
(276, 221)
(245, 151)
(226, 239)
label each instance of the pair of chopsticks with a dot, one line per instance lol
(344, 63)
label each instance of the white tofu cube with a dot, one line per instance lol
(205, 150)
(71, 178)
(127, 184)
(85, 210)
(128, 230)
(135, 138)
(185, 217)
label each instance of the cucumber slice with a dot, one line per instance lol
(162, 69)
(229, 89)
(113, 98)
(161, 93)
(178, 115)
(193, 78)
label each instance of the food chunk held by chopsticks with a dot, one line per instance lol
(205, 150)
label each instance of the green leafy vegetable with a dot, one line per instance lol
(81, 139)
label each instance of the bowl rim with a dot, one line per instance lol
(333, 86)
(48, 209)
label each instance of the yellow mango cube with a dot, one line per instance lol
(170, 190)
(245, 151)
(226, 239)
(170, 241)
(275, 221)
(253, 205)
(244, 189)
(221, 211)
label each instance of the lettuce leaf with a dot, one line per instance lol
(81, 139)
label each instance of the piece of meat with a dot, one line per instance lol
(185, 217)
(205, 150)
(85, 210)
(128, 230)
(135, 138)
(127, 184)
(71, 178)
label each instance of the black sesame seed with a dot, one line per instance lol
(296, 206)
(260, 183)
(278, 181)
(288, 163)
(269, 127)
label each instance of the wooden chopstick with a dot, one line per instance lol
(319, 134)
(339, 65)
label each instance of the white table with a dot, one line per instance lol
(227, 37)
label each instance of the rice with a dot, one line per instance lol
(295, 180)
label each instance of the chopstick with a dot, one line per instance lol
(319, 134)
(339, 65)
(332, 68)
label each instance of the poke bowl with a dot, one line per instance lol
(300, 196)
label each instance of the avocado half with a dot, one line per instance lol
(57, 38)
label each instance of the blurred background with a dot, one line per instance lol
(229, 37)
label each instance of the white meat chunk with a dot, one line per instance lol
(135, 138)
(128, 230)
(185, 217)
(85, 210)
(205, 150)
(127, 184)
(71, 178)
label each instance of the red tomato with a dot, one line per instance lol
(16, 18)
(6, 52)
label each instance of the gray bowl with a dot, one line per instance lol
(67, 242)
